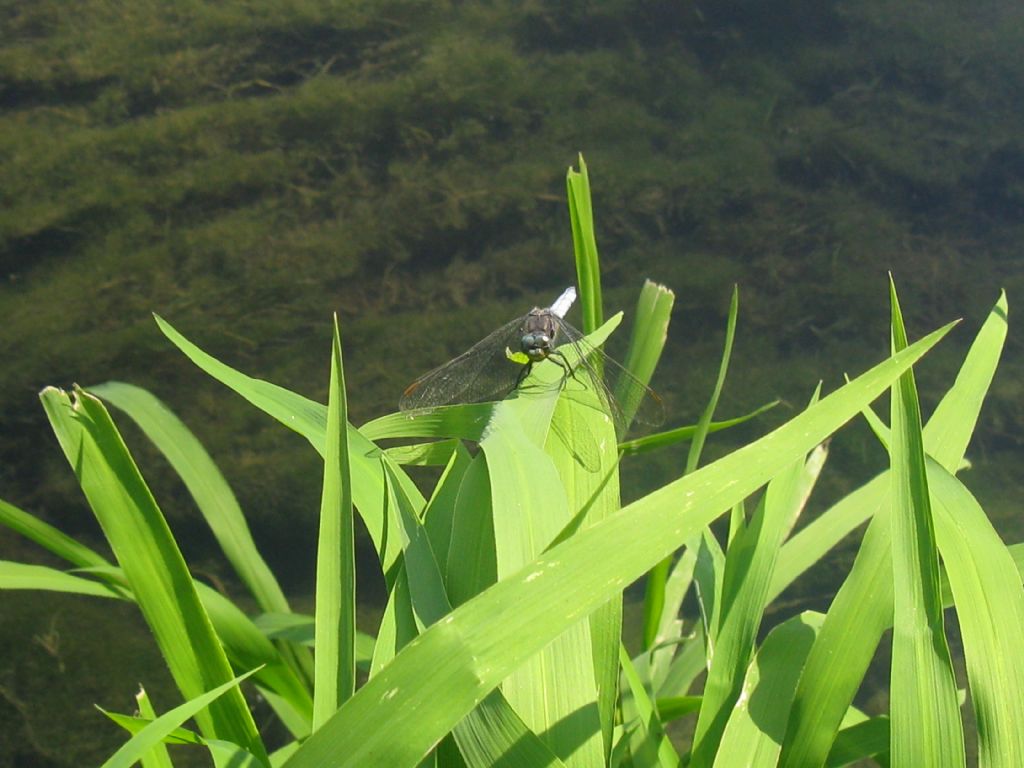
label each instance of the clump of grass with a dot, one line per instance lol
(501, 639)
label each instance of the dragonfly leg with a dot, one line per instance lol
(559, 359)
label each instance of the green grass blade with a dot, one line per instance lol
(697, 445)
(205, 483)
(866, 739)
(592, 493)
(925, 713)
(661, 440)
(654, 598)
(945, 438)
(47, 536)
(439, 515)
(465, 421)
(492, 734)
(989, 599)
(248, 647)
(483, 640)
(650, 330)
(153, 565)
(24, 576)
(335, 665)
(214, 498)
(228, 755)
(754, 732)
(309, 419)
(143, 741)
(748, 569)
(859, 614)
(588, 268)
(950, 428)
(649, 746)
(815, 539)
(157, 757)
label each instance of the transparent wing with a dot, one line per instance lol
(632, 399)
(482, 373)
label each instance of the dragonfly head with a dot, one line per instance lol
(536, 346)
(539, 329)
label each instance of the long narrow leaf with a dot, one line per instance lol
(554, 691)
(588, 270)
(309, 419)
(989, 601)
(924, 711)
(153, 565)
(26, 576)
(335, 559)
(945, 438)
(134, 749)
(754, 733)
(213, 496)
(205, 483)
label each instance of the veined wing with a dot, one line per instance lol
(632, 399)
(481, 373)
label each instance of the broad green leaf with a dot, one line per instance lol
(554, 691)
(924, 711)
(142, 542)
(486, 638)
(592, 494)
(492, 734)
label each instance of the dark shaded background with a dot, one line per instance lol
(246, 168)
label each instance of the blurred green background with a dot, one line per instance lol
(244, 168)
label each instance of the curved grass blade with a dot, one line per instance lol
(309, 419)
(25, 576)
(946, 436)
(155, 732)
(140, 538)
(208, 488)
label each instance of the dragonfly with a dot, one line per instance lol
(501, 362)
